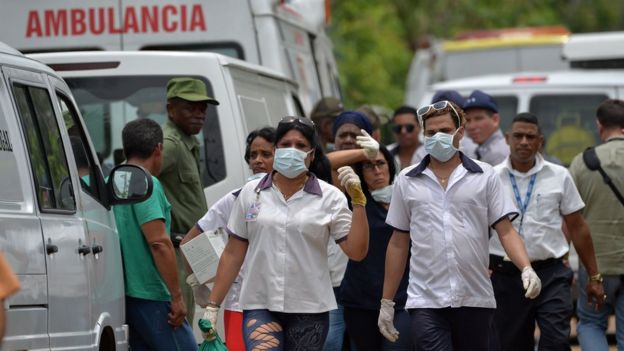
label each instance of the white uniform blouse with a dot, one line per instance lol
(286, 263)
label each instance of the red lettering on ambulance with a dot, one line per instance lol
(100, 19)
(34, 25)
(55, 24)
(197, 19)
(149, 17)
(183, 18)
(169, 26)
(130, 21)
(111, 22)
(78, 25)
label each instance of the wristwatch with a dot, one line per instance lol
(595, 278)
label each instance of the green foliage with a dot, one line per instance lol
(375, 40)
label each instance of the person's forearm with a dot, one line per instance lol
(356, 246)
(581, 238)
(164, 258)
(515, 250)
(396, 261)
(229, 266)
(341, 158)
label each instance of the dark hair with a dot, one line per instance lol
(456, 121)
(308, 132)
(266, 133)
(391, 167)
(610, 113)
(140, 137)
(320, 166)
(403, 110)
(526, 117)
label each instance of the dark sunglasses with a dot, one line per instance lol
(440, 105)
(408, 128)
(298, 120)
(371, 165)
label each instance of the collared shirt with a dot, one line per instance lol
(217, 217)
(449, 232)
(494, 150)
(417, 156)
(286, 262)
(604, 213)
(180, 176)
(552, 196)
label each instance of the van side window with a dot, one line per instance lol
(82, 153)
(45, 146)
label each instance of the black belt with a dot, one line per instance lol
(498, 264)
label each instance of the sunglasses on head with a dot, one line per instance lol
(299, 120)
(440, 105)
(408, 128)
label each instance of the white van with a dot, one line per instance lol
(113, 88)
(564, 101)
(57, 229)
(286, 36)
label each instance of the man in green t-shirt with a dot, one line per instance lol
(155, 310)
(187, 103)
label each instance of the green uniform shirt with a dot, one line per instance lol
(140, 273)
(181, 179)
(603, 212)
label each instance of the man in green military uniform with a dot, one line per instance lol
(187, 102)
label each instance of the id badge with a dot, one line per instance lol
(252, 212)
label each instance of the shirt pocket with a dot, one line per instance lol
(188, 176)
(547, 207)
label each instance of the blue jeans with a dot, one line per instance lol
(592, 326)
(277, 331)
(149, 330)
(335, 336)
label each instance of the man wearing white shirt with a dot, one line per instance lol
(443, 208)
(545, 195)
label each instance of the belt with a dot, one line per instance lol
(498, 264)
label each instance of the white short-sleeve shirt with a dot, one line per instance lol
(449, 232)
(554, 194)
(217, 217)
(286, 264)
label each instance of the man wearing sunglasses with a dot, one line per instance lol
(483, 127)
(408, 149)
(443, 208)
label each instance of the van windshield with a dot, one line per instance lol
(568, 122)
(108, 103)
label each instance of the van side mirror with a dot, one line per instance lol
(128, 184)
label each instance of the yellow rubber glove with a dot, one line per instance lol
(351, 182)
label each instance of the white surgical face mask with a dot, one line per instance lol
(383, 195)
(256, 176)
(440, 146)
(290, 162)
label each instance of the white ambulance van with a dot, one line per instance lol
(57, 228)
(287, 36)
(113, 88)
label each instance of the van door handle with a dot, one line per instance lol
(97, 249)
(51, 248)
(84, 250)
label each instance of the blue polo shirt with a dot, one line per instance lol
(362, 285)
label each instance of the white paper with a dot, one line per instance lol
(203, 254)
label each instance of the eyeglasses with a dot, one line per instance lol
(299, 120)
(371, 165)
(408, 128)
(440, 105)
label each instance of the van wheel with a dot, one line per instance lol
(107, 342)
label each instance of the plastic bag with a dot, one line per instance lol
(213, 341)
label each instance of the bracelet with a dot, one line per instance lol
(596, 278)
(213, 304)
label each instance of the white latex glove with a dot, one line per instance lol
(201, 292)
(386, 320)
(347, 177)
(531, 282)
(368, 144)
(211, 313)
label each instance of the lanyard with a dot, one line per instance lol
(522, 204)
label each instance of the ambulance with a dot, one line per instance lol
(287, 36)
